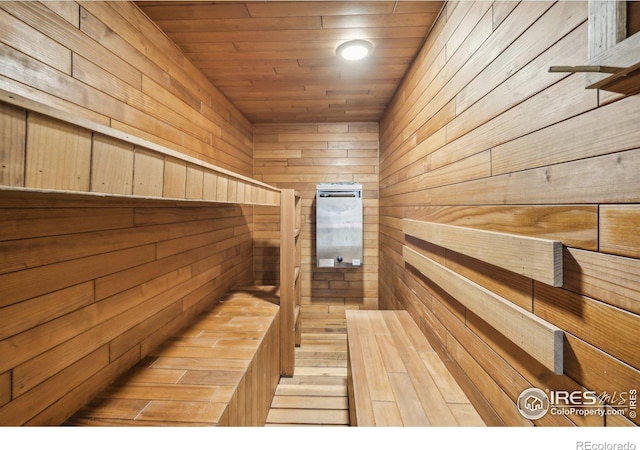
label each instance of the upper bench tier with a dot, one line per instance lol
(48, 150)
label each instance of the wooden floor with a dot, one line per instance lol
(317, 393)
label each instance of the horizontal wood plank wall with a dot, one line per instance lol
(107, 62)
(480, 135)
(299, 156)
(90, 288)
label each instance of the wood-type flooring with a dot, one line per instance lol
(316, 395)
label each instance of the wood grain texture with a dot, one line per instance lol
(83, 156)
(280, 62)
(101, 284)
(299, 156)
(193, 394)
(290, 282)
(552, 145)
(539, 338)
(535, 258)
(13, 122)
(126, 75)
(619, 230)
(410, 389)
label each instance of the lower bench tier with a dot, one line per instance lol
(220, 371)
(395, 378)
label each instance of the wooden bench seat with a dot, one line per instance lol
(221, 370)
(395, 378)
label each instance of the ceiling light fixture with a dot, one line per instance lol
(354, 50)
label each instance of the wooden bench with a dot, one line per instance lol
(395, 378)
(221, 370)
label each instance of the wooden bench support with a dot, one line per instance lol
(395, 378)
(221, 370)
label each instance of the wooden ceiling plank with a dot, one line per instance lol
(183, 10)
(276, 59)
(283, 9)
(300, 35)
(196, 23)
(379, 21)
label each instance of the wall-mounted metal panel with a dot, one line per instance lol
(339, 225)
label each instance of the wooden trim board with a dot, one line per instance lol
(538, 338)
(290, 293)
(539, 259)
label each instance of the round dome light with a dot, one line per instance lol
(354, 50)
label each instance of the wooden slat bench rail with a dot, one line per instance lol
(63, 154)
(220, 371)
(539, 259)
(542, 340)
(395, 378)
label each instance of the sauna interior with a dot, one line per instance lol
(158, 172)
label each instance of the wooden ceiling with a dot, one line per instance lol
(276, 60)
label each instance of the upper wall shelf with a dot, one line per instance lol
(621, 80)
(51, 151)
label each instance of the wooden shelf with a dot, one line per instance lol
(539, 259)
(540, 339)
(66, 155)
(624, 81)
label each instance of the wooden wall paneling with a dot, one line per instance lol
(174, 180)
(574, 225)
(13, 122)
(590, 320)
(571, 182)
(605, 374)
(509, 285)
(298, 156)
(619, 226)
(593, 134)
(573, 169)
(34, 43)
(148, 173)
(516, 121)
(36, 370)
(608, 278)
(195, 183)
(486, 345)
(58, 155)
(501, 403)
(159, 323)
(509, 366)
(24, 407)
(434, 95)
(22, 220)
(547, 38)
(5, 388)
(41, 309)
(541, 339)
(111, 166)
(100, 62)
(29, 283)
